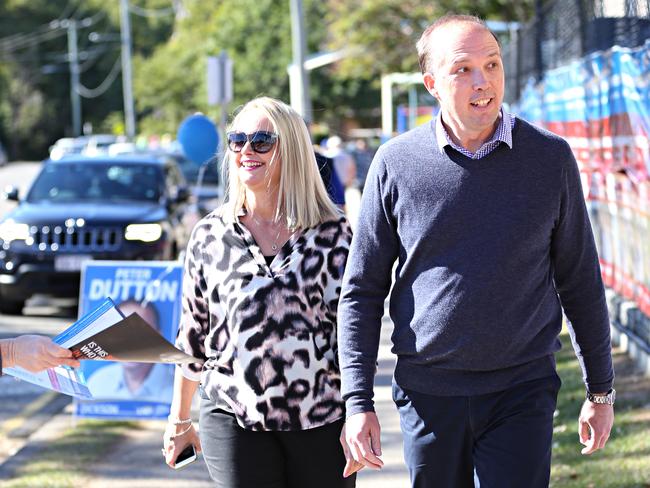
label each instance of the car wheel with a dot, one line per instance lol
(11, 307)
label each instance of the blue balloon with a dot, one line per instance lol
(199, 138)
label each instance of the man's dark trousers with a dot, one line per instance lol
(505, 437)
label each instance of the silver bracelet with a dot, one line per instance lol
(171, 437)
(177, 421)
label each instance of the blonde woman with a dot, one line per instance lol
(260, 294)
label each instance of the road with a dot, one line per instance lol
(24, 407)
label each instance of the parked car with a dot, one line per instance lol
(98, 144)
(204, 182)
(81, 208)
(66, 146)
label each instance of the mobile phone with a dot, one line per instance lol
(186, 456)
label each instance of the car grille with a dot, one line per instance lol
(46, 238)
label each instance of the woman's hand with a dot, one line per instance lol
(177, 438)
(351, 466)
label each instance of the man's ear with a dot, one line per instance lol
(430, 84)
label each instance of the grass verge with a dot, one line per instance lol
(63, 462)
(625, 461)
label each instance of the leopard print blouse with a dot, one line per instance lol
(267, 333)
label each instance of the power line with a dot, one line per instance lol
(149, 12)
(92, 56)
(68, 10)
(46, 32)
(93, 19)
(104, 85)
(25, 41)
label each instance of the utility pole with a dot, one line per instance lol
(73, 59)
(127, 81)
(298, 75)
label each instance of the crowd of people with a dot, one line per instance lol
(473, 226)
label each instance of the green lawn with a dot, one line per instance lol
(62, 463)
(625, 462)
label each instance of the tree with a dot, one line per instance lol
(256, 34)
(382, 33)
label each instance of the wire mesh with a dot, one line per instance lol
(564, 30)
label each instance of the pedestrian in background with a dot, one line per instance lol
(485, 216)
(362, 158)
(260, 294)
(34, 353)
(343, 161)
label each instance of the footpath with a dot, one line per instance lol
(136, 461)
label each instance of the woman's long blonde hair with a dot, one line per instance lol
(303, 199)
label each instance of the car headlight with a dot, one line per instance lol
(13, 231)
(143, 232)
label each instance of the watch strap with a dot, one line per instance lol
(602, 399)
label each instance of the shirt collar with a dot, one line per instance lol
(503, 132)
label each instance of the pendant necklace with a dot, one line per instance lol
(274, 245)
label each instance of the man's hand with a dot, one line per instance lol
(36, 353)
(594, 425)
(362, 433)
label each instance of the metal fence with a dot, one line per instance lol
(565, 30)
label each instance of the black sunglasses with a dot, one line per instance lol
(260, 141)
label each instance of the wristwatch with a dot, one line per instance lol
(602, 398)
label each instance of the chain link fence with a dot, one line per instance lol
(565, 30)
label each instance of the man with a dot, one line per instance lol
(134, 381)
(34, 353)
(485, 216)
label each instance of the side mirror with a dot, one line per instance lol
(10, 193)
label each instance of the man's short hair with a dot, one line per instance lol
(422, 45)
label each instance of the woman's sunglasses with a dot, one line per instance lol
(260, 141)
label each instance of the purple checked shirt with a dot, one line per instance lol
(502, 134)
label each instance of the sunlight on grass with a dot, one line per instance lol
(625, 462)
(62, 463)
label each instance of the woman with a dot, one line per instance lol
(260, 293)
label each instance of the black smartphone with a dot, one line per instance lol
(186, 456)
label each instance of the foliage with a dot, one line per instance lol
(35, 107)
(382, 34)
(170, 53)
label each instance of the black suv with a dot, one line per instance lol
(81, 208)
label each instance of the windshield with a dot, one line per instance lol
(110, 181)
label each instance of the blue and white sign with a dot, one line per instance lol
(153, 290)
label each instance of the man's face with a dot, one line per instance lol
(467, 78)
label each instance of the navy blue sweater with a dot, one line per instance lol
(488, 253)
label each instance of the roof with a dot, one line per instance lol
(105, 159)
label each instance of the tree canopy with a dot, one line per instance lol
(170, 54)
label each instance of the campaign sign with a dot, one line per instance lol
(152, 289)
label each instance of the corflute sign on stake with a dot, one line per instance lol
(152, 289)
